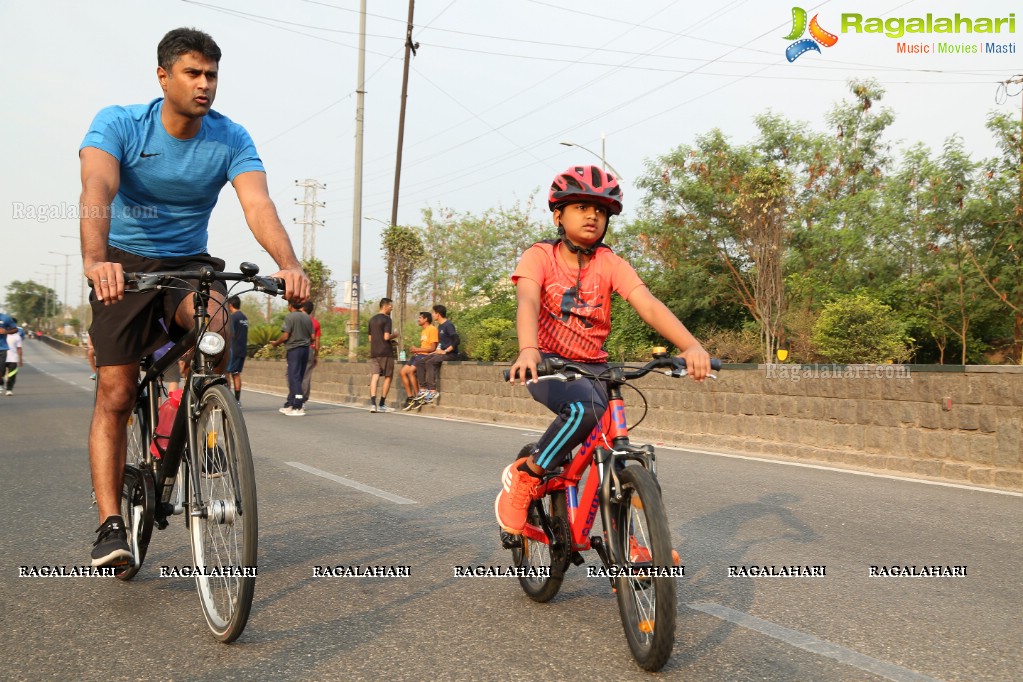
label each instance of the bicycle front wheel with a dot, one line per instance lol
(223, 517)
(641, 540)
(546, 562)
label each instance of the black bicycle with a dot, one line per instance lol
(203, 469)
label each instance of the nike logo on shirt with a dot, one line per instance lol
(146, 156)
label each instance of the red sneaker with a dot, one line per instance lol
(518, 489)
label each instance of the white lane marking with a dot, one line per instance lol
(60, 378)
(806, 642)
(806, 465)
(390, 497)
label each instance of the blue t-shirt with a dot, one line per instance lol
(168, 186)
(6, 322)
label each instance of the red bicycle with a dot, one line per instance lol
(621, 483)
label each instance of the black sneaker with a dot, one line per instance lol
(111, 547)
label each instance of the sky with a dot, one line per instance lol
(493, 89)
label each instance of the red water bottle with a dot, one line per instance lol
(165, 422)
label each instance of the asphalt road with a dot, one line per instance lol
(404, 490)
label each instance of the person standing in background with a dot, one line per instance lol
(296, 335)
(314, 349)
(239, 345)
(381, 354)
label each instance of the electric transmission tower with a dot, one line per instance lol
(309, 222)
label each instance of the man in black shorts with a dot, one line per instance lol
(381, 355)
(151, 175)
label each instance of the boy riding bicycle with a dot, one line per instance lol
(151, 175)
(564, 289)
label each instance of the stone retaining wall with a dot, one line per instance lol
(952, 423)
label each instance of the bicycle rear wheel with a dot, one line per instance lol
(641, 539)
(138, 500)
(223, 517)
(138, 493)
(540, 557)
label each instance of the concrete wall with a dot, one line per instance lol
(952, 423)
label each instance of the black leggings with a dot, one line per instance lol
(579, 405)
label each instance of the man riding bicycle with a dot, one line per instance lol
(151, 175)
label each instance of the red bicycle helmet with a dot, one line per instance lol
(589, 183)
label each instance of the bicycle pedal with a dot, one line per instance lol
(577, 559)
(509, 541)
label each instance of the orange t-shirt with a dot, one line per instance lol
(573, 325)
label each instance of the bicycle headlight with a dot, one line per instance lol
(212, 343)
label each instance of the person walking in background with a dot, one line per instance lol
(239, 345)
(381, 355)
(447, 347)
(14, 357)
(8, 326)
(314, 350)
(427, 344)
(296, 335)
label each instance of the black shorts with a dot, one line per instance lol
(125, 332)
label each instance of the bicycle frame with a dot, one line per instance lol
(165, 469)
(612, 431)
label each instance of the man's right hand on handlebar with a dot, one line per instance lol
(107, 281)
(296, 285)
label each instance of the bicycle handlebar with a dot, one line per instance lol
(559, 369)
(145, 281)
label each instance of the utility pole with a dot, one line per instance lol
(309, 222)
(410, 47)
(353, 327)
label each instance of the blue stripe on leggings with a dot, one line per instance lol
(575, 418)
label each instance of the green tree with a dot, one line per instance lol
(321, 287)
(724, 208)
(403, 248)
(470, 257)
(996, 247)
(29, 301)
(841, 176)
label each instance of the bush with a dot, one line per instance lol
(860, 329)
(259, 336)
(490, 340)
(733, 345)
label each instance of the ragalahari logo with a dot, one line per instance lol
(817, 35)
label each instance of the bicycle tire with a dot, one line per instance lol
(138, 501)
(647, 604)
(224, 531)
(540, 555)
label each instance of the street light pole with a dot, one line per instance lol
(67, 267)
(603, 160)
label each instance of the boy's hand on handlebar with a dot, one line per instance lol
(524, 364)
(296, 285)
(697, 362)
(107, 281)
